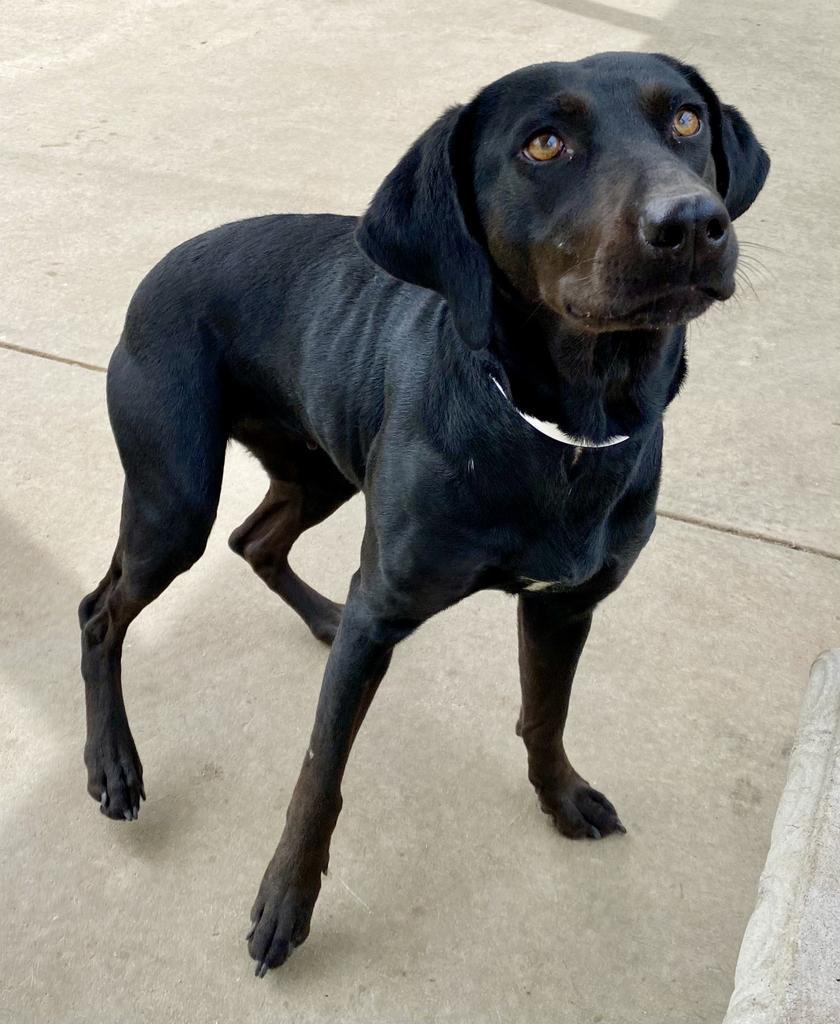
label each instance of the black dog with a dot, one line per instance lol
(487, 354)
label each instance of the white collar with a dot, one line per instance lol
(554, 432)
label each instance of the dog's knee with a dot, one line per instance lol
(88, 606)
(94, 601)
(190, 541)
(172, 549)
(95, 629)
(238, 540)
(111, 613)
(266, 537)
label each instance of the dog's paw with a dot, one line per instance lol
(280, 916)
(115, 777)
(581, 812)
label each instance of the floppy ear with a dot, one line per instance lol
(746, 159)
(741, 164)
(416, 226)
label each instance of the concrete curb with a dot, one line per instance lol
(788, 969)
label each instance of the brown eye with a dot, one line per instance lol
(545, 146)
(686, 123)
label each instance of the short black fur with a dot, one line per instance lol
(394, 355)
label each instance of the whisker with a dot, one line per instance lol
(753, 262)
(760, 245)
(742, 276)
(583, 280)
(539, 305)
(760, 271)
(751, 256)
(584, 263)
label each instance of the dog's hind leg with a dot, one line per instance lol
(267, 535)
(172, 444)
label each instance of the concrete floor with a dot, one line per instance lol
(787, 966)
(127, 128)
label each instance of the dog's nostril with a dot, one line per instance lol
(662, 229)
(670, 236)
(715, 230)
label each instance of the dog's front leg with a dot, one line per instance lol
(358, 660)
(550, 644)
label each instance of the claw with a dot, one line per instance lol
(621, 829)
(261, 969)
(250, 934)
(594, 833)
(103, 799)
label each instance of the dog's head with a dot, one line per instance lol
(604, 189)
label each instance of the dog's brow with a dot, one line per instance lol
(571, 104)
(656, 97)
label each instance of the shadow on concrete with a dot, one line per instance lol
(598, 11)
(44, 666)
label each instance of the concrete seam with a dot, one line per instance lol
(11, 347)
(737, 531)
(677, 517)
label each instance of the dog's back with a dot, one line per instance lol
(267, 322)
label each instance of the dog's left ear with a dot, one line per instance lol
(416, 226)
(741, 164)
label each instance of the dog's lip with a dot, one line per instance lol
(667, 309)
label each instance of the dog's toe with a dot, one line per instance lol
(581, 812)
(115, 779)
(280, 918)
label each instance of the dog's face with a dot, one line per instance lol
(595, 185)
(604, 189)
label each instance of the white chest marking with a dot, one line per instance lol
(540, 584)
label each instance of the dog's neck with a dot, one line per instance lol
(591, 385)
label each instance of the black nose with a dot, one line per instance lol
(683, 223)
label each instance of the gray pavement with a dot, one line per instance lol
(126, 128)
(787, 967)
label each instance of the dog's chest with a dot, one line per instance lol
(558, 561)
(562, 545)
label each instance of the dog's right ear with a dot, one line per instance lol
(416, 229)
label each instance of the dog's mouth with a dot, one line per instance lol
(668, 309)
